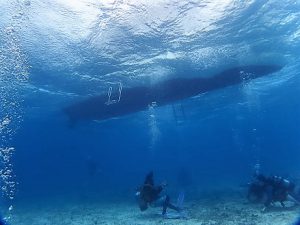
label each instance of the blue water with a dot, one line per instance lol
(54, 53)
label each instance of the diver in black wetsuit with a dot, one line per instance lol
(270, 190)
(149, 195)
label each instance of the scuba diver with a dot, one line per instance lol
(149, 195)
(270, 190)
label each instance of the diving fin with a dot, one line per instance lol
(177, 215)
(292, 199)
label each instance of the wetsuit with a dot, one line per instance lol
(271, 189)
(149, 194)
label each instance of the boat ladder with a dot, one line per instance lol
(114, 93)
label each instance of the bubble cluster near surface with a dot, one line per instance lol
(14, 72)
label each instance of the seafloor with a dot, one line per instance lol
(214, 208)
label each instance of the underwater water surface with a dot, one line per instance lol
(57, 53)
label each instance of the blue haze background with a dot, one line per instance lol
(66, 51)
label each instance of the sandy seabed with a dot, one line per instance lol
(221, 210)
